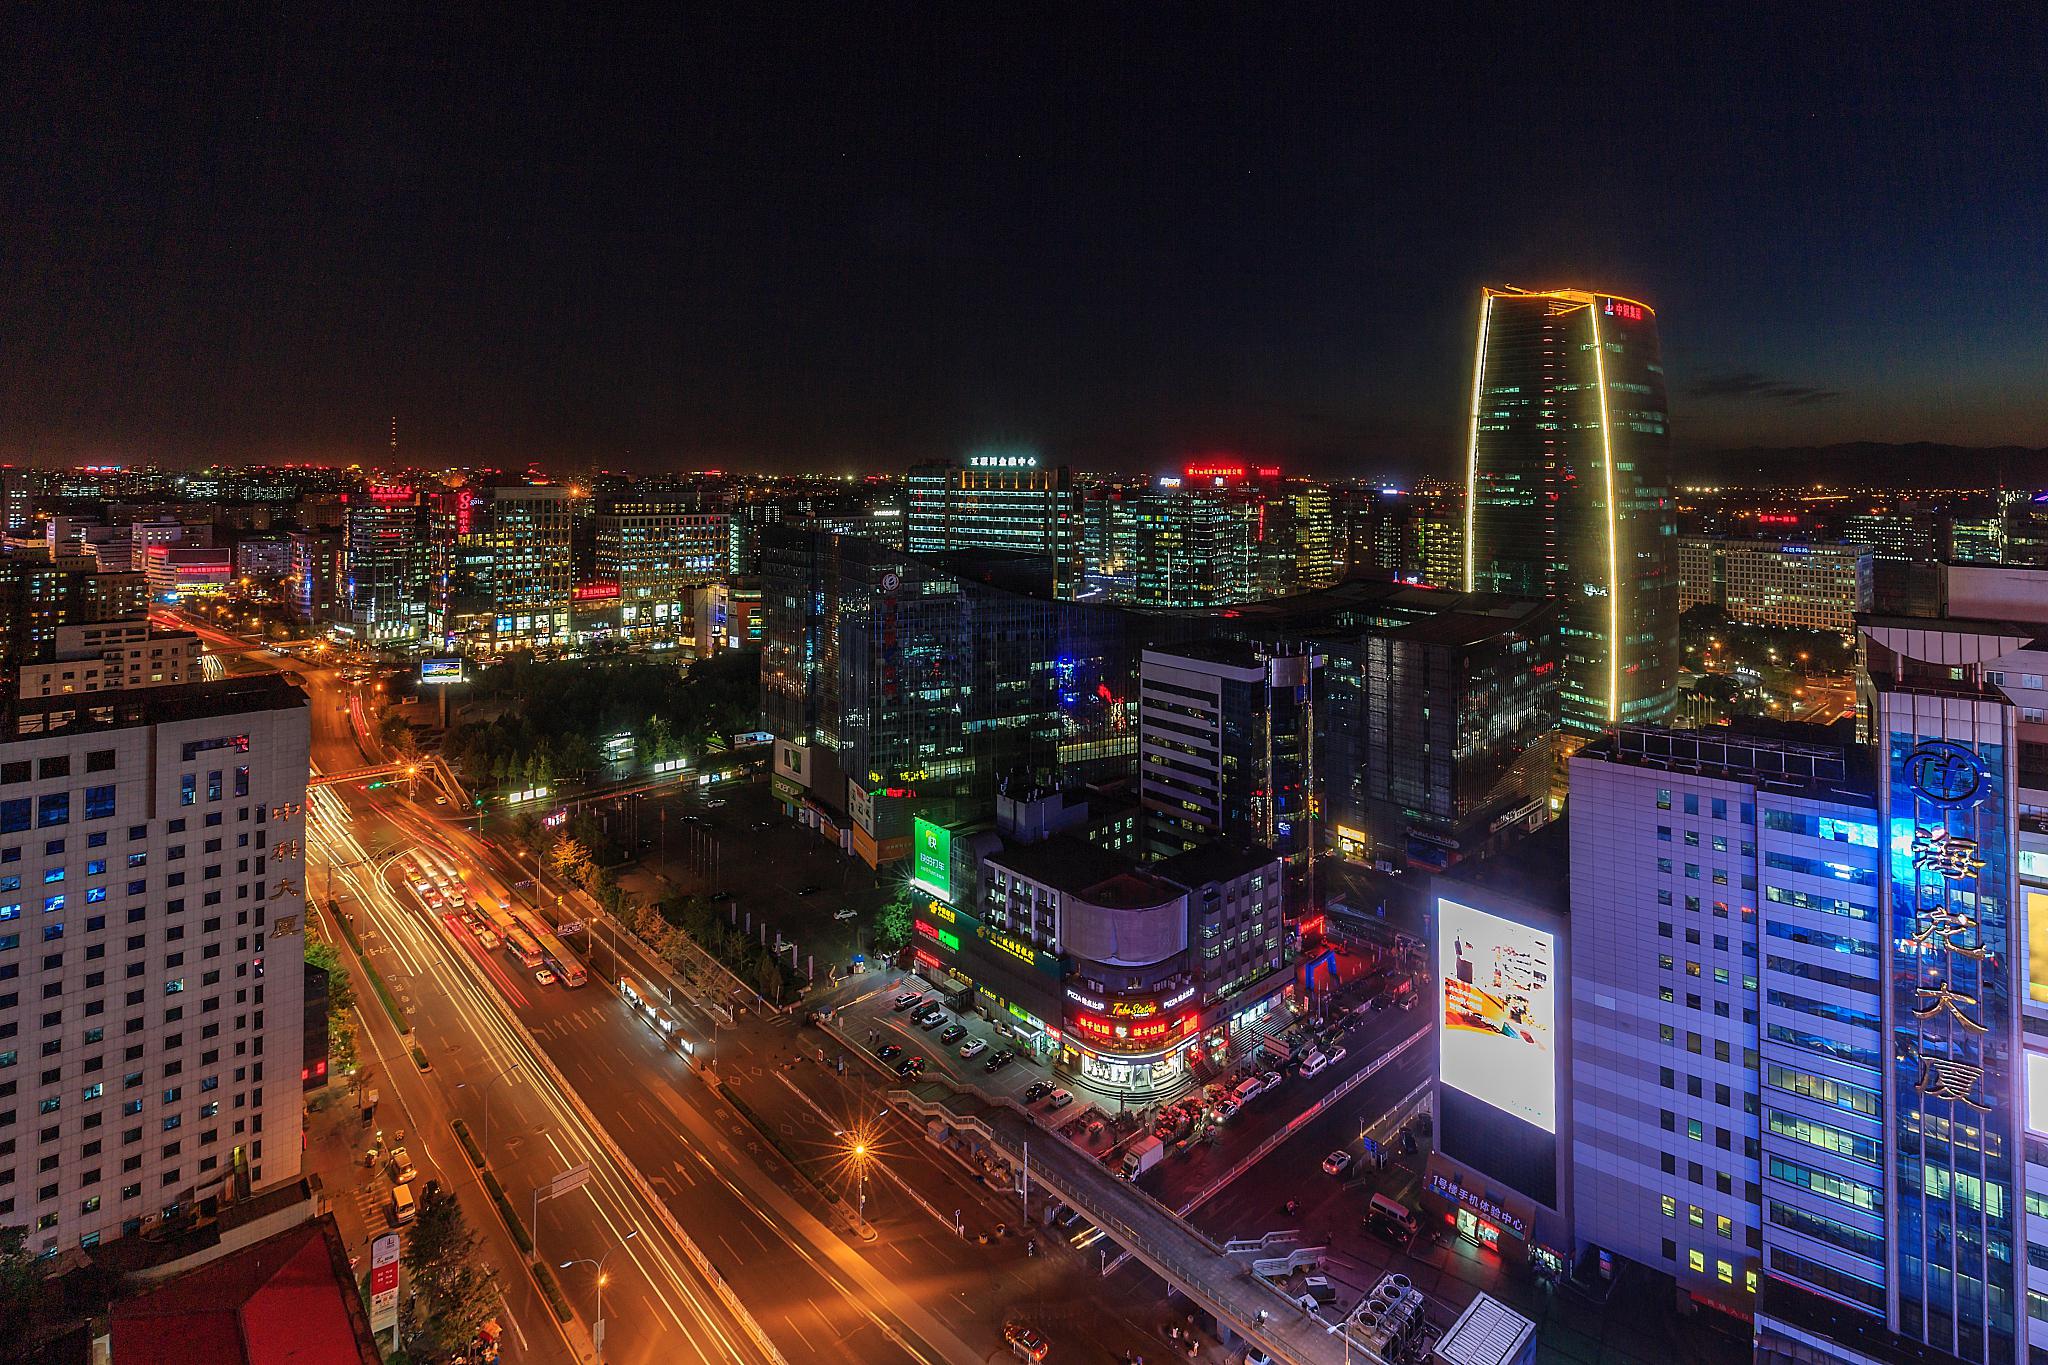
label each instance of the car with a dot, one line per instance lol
(1268, 1080)
(1066, 1218)
(846, 913)
(543, 976)
(715, 803)
(931, 1021)
(889, 1050)
(997, 1062)
(720, 896)
(973, 1049)
(402, 1169)
(1254, 1356)
(1226, 1109)
(1314, 1063)
(1025, 1344)
(930, 1012)
(1336, 1054)
(486, 937)
(906, 1000)
(1059, 1099)
(1037, 1091)
(910, 1066)
(1337, 1162)
(953, 1034)
(809, 889)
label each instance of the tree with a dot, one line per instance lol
(892, 926)
(341, 992)
(768, 977)
(21, 1292)
(569, 859)
(451, 1294)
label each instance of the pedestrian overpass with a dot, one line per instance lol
(1222, 1285)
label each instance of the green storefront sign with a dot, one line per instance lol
(932, 862)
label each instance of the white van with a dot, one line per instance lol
(1315, 1062)
(1248, 1089)
(402, 1207)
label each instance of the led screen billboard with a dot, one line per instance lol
(441, 672)
(932, 857)
(1498, 988)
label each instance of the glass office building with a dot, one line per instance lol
(1568, 492)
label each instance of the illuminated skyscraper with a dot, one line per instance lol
(1568, 495)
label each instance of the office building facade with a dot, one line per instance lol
(154, 849)
(523, 541)
(658, 554)
(384, 565)
(1568, 492)
(1727, 1062)
(1793, 585)
(997, 500)
(1227, 748)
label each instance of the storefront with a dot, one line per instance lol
(1488, 1216)
(1139, 1045)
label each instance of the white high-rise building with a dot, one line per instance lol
(152, 919)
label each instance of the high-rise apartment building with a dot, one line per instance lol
(997, 500)
(1568, 491)
(1226, 747)
(154, 842)
(37, 599)
(384, 564)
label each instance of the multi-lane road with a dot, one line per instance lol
(720, 1244)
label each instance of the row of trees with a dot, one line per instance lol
(557, 715)
(341, 999)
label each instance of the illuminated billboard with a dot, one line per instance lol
(1498, 985)
(441, 672)
(932, 857)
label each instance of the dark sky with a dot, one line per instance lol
(839, 243)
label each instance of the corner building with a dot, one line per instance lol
(1568, 492)
(152, 865)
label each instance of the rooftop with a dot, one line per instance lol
(1782, 756)
(1215, 862)
(152, 705)
(288, 1297)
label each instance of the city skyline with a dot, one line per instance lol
(737, 245)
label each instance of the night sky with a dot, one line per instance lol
(849, 243)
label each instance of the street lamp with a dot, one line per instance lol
(464, 1085)
(597, 1325)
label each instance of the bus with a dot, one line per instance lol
(520, 944)
(567, 968)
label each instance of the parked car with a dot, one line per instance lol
(906, 1001)
(1337, 1162)
(1226, 1109)
(1313, 1063)
(1268, 1080)
(1059, 1099)
(910, 1066)
(846, 913)
(889, 1050)
(1037, 1091)
(931, 1021)
(953, 1034)
(997, 1062)
(973, 1049)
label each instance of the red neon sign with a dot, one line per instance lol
(1617, 308)
(390, 492)
(594, 592)
(1214, 471)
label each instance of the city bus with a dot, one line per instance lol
(520, 944)
(567, 969)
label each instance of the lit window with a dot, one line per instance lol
(1697, 1260)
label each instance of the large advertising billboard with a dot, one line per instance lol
(932, 857)
(1498, 985)
(441, 672)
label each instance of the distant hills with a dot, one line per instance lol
(1916, 464)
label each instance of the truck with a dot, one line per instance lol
(1142, 1156)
